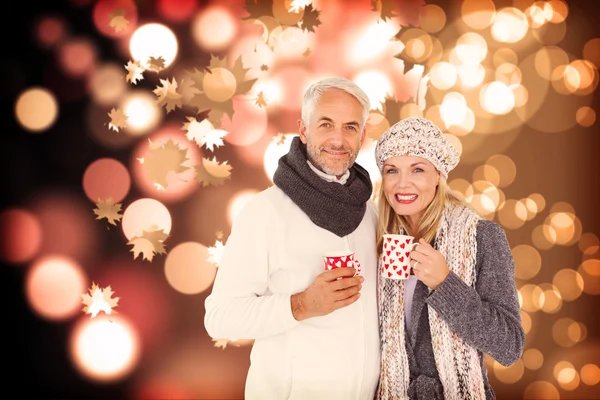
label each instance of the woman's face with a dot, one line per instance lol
(409, 185)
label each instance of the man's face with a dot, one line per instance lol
(334, 135)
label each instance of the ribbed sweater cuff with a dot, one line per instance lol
(451, 292)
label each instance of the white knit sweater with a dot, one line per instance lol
(274, 251)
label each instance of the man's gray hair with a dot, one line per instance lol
(314, 91)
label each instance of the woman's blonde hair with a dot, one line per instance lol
(390, 222)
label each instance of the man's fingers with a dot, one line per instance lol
(346, 302)
(335, 273)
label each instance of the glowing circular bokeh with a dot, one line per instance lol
(144, 215)
(20, 235)
(53, 287)
(177, 10)
(106, 178)
(187, 268)
(104, 348)
(105, 10)
(36, 109)
(153, 40)
(214, 28)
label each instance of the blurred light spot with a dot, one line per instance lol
(366, 159)
(248, 124)
(274, 151)
(586, 116)
(567, 227)
(77, 57)
(547, 59)
(552, 299)
(452, 109)
(471, 48)
(527, 261)
(187, 268)
(180, 185)
(238, 202)
(145, 214)
(36, 109)
(590, 374)
(443, 75)
(176, 10)
(509, 375)
(512, 214)
(497, 98)
(462, 187)
(521, 95)
(434, 114)
(541, 390)
(591, 267)
(104, 178)
(68, 226)
(105, 348)
(20, 235)
(50, 31)
(153, 40)
(214, 28)
(589, 243)
(160, 387)
(376, 85)
(432, 18)
(533, 297)
(560, 332)
(550, 34)
(255, 55)
(282, 13)
(505, 55)
(106, 84)
(143, 113)
(407, 110)
(509, 74)
(486, 173)
(464, 127)
(371, 41)
(377, 123)
(532, 207)
(533, 359)
(570, 284)
(292, 43)
(478, 14)
(525, 320)
(510, 25)
(560, 10)
(591, 51)
(471, 75)
(146, 299)
(103, 13)
(506, 168)
(219, 85)
(539, 201)
(455, 142)
(54, 285)
(590, 272)
(543, 237)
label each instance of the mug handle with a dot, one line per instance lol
(357, 267)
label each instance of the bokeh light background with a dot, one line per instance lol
(213, 103)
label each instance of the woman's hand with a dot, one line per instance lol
(429, 265)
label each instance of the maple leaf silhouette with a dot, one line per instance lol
(310, 20)
(107, 209)
(162, 160)
(99, 300)
(215, 253)
(219, 235)
(264, 67)
(307, 52)
(279, 139)
(167, 95)
(260, 100)
(156, 63)
(134, 71)
(258, 8)
(117, 20)
(407, 11)
(118, 119)
(204, 133)
(222, 343)
(150, 243)
(211, 172)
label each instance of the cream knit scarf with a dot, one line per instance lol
(457, 363)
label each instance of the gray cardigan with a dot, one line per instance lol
(487, 317)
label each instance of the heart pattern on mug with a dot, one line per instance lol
(395, 256)
(333, 262)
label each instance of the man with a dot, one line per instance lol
(316, 336)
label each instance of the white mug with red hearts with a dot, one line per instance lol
(394, 262)
(339, 259)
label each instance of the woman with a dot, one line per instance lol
(461, 302)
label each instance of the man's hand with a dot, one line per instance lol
(327, 293)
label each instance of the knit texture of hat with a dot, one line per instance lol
(419, 137)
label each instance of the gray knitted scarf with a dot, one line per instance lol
(329, 205)
(457, 362)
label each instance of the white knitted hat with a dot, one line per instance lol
(416, 136)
